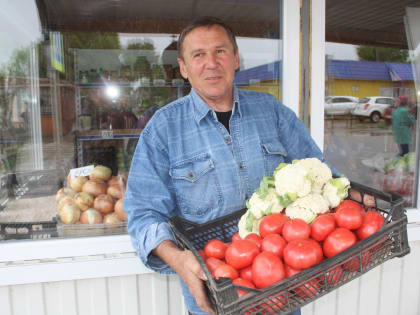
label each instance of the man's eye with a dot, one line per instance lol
(220, 51)
(198, 55)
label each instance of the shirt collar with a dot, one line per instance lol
(201, 108)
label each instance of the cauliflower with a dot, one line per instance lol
(307, 208)
(319, 173)
(248, 224)
(291, 181)
(335, 190)
(263, 206)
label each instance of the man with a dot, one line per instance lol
(202, 156)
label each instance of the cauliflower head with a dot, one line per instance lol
(248, 224)
(318, 172)
(264, 206)
(335, 190)
(308, 207)
(291, 181)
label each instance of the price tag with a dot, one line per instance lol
(107, 134)
(81, 171)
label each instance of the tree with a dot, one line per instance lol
(91, 40)
(384, 54)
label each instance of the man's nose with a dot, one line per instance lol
(212, 60)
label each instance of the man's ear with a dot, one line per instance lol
(182, 68)
(237, 61)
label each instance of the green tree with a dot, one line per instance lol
(91, 40)
(384, 54)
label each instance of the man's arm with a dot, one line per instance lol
(184, 263)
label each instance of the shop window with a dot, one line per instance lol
(77, 86)
(375, 143)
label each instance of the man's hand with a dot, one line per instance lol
(184, 263)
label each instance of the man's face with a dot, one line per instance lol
(209, 63)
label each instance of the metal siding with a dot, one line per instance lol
(390, 289)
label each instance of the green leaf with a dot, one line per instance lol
(268, 211)
(249, 224)
(279, 167)
(247, 204)
(285, 200)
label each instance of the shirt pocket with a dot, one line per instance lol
(197, 187)
(274, 153)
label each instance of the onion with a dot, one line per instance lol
(120, 179)
(65, 191)
(65, 200)
(119, 210)
(111, 218)
(115, 191)
(104, 203)
(94, 187)
(77, 183)
(84, 200)
(91, 216)
(69, 213)
(101, 172)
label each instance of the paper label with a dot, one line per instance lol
(107, 134)
(81, 171)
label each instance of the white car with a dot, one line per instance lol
(340, 105)
(373, 107)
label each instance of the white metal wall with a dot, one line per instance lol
(390, 289)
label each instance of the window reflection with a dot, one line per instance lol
(370, 115)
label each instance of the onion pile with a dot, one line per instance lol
(93, 199)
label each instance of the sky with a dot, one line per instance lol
(19, 28)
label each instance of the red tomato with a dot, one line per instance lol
(246, 273)
(372, 222)
(267, 269)
(323, 225)
(290, 271)
(349, 218)
(226, 271)
(273, 305)
(241, 253)
(212, 264)
(319, 252)
(236, 237)
(272, 223)
(244, 283)
(273, 243)
(202, 254)
(354, 264)
(215, 248)
(309, 289)
(296, 229)
(339, 240)
(302, 254)
(334, 276)
(254, 238)
(349, 204)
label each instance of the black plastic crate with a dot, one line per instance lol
(37, 183)
(28, 230)
(310, 284)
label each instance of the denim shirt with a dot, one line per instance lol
(187, 164)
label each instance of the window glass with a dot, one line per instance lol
(376, 143)
(78, 84)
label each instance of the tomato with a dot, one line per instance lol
(215, 248)
(254, 238)
(290, 271)
(349, 218)
(226, 271)
(212, 264)
(273, 243)
(302, 254)
(354, 264)
(273, 305)
(296, 229)
(202, 254)
(338, 240)
(372, 222)
(308, 289)
(246, 273)
(241, 253)
(272, 223)
(319, 252)
(334, 276)
(267, 269)
(244, 283)
(323, 225)
(349, 204)
(236, 237)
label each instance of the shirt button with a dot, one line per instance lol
(227, 140)
(240, 166)
(190, 175)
